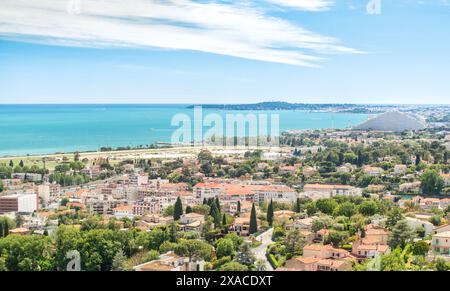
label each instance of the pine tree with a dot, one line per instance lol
(118, 261)
(178, 211)
(270, 213)
(253, 222)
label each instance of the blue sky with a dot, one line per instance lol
(186, 51)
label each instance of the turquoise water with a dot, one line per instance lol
(42, 129)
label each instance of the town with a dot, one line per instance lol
(325, 200)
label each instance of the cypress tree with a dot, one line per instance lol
(224, 223)
(11, 163)
(215, 214)
(188, 209)
(5, 229)
(1, 229)
(297, 206)
(270, 213)
(205, 201)
(178, 211)
(239, 206)
(217, 203)
(253, 222)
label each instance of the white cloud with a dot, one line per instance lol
(309, 5)
(237, 29)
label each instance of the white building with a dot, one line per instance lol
(320, 191)
(415, 223)
(22, 203)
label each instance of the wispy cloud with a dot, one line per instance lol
(308, 5)
(233, 28)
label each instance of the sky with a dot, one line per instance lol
(211, 51)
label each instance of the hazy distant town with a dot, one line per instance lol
(372, 197)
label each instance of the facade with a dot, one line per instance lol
(440, 243)
(22, 203)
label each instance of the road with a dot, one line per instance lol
(260, 251)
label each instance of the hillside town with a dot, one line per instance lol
(326, 200)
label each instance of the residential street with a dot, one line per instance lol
(260, 252)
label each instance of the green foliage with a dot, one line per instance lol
(401, 235)
(432, 183)
(178, 209)
(225, 248)
(270, 213)
(233, 267)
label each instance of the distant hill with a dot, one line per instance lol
(277, 105)
(392, 121)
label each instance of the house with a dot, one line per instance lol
(208, 190)
(283, 214)
(320, 258)
(373, 171)
(415, 223)
(400, 169)
(191, 218)
(291, 170)
(241, 225)
(170, 262)
(20, 231)
(446, 178)
(376, 234)
(440, 243)
(441, 229)
(125, 211)
(305, 223)
(308, 172)
(413, 187)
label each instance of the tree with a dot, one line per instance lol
(394, 216)
(2, 187)
(215, 214)
(442, 265)
(347, 209)
(21, 164)
(224, 248)
(189, 209)
(368, 208)
(298, 206)
(173, 232)
(432, 183)
(326, 206)
(294, 242)
(239, 206)
(244, 255)
(11, 163)
(253, 221)
(420, 248)
(270, 213)
(118, 263)
(337, 238)
(178, 209)
(233, 267)
(193, 249)
(401, 235)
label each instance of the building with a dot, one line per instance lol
(170, 262)
(207, 190)
(446, 178)
(320, 258)
(392, 121)
(22, 203)
(125, 211)
(415, 223)
(440, 243)
(373, 171)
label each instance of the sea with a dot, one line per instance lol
(46, 129)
